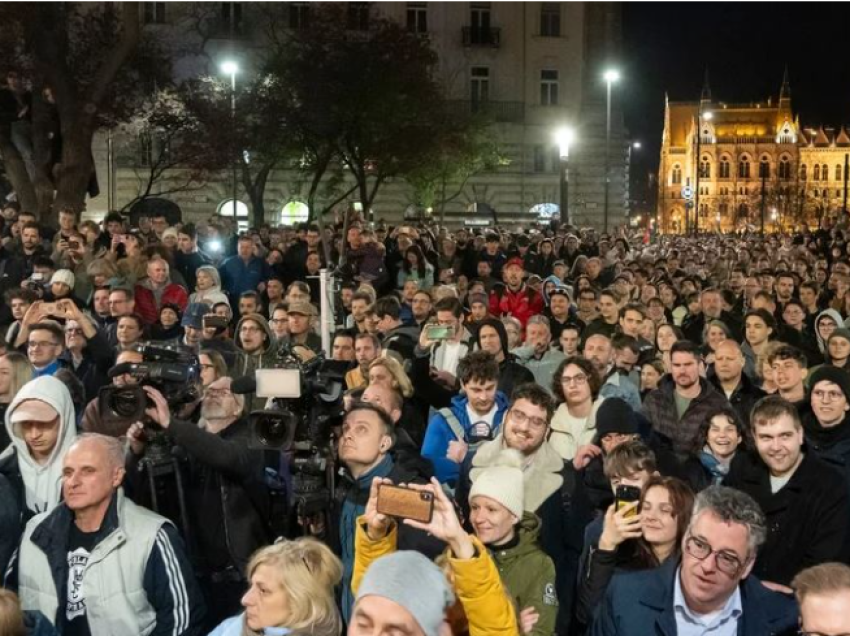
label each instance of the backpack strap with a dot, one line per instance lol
(454, 423)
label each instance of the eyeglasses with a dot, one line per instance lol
(727, 562)
(41, 345)
(278, 320)
(523, 418)
(578, 379)
(207, 366)
(822, 395)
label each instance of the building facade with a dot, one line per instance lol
(535, 66)
(733, 166)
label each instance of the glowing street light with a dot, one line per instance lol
(610, 76)
(564, 138)
(230, 67)
(637, 145)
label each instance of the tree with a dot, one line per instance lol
(363, 99)
(96, 63)
(466, 148)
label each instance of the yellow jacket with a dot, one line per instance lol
(477, 584)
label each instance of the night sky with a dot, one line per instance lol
(745, 46)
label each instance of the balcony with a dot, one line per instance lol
(502, 112)
(481, 36)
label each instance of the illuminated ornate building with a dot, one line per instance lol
(742, 149)
(756, 164)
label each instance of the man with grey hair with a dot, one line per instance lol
(708, 591)
(537, 354)
(99, 564)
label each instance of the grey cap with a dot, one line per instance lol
(414, 582)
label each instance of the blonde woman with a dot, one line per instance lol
(388, 371)
(291, 592)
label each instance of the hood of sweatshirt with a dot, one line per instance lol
(43, 482)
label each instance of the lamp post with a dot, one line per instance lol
(703, 116)
(229, 67)
(564, 137)
(610, 76)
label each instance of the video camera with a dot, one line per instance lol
(174, 370)
(307, 398)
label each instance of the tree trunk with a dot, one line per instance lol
(16, 171)
(256, 189)
(76, 171)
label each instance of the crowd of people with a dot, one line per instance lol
(614, 434)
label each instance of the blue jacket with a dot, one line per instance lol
(237, 277)
(641, 604)
(439, 434)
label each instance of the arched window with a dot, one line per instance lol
(838, 176)
(724, 168)
(744, 168)
(803, 172)
(294, 212)
(764, 167)
(816, 192)
(677, 174)
(824, 173)
(704, 169)
(784, 168)
(816, 173)
(226, 208)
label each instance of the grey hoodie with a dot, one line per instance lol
(43, 483)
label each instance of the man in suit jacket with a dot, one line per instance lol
(710, 589)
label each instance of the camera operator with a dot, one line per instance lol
(224, 490)
(92, 420)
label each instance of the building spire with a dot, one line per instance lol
(706, 89)
(785, 91)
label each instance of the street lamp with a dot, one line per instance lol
(564, 137)
(610, 76)
(636, 145)
(230, 67)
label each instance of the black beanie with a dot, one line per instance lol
(834, 375)
(615, 416)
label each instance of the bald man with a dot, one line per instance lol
(73, 559)
(727, 375)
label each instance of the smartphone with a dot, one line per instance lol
(74, 245)
(49, 309)
(37, 277)
(406, 503)
(625, 495)
(211, 320)
(438, 332)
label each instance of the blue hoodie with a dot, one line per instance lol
(439, 434)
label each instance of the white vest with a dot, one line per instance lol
(113, 582)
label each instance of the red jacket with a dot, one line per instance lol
(522, 304)
(146, 305)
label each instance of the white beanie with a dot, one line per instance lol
(502, 481)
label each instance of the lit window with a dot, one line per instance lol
(294, 212)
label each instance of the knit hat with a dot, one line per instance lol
(615, 416)
(63, 276)
(478, 298)
(427, 595)
(502, 481)
(515, 262)
(832, 374)
(170, 231)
